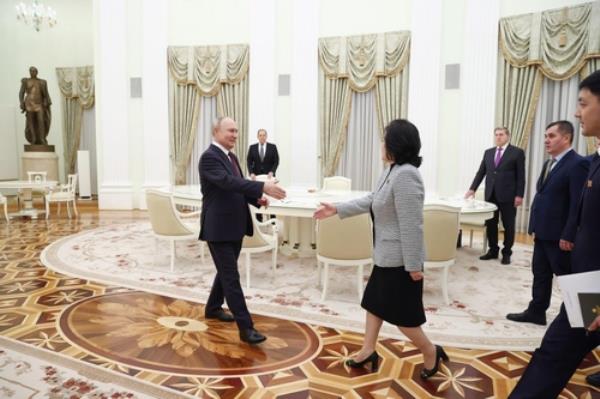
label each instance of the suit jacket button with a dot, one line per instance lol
(494, 172)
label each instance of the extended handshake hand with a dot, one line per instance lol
(272, 189)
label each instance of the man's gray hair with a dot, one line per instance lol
(217, 123)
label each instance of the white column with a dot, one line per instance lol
(304, 91)
(262, 69)
(478, 77)
(110, 64)
(155, 95)
(424, 83)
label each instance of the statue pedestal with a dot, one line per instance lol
(40, 162)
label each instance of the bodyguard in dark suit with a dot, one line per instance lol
(563, 347)
(225, 219)
(553, 217)
(503, 167)
(263, 157)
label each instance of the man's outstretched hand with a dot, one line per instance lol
(272, 189)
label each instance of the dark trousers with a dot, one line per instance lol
(508, 212)
(227, 283)
(548, 260)
(554, 362)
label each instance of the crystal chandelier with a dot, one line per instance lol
(36, 14)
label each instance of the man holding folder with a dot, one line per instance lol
(563, 347)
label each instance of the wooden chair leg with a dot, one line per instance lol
(75, 208)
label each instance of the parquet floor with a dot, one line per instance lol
(164, 346)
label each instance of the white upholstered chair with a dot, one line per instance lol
(167, 223)
(440, 228)
(260, 242)
(344, 242)
(473, 224)
(3, 203)
(337, 183)
(64, 193)
(37, 177)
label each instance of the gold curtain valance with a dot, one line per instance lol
(362, 59)
(559, 41)
(77, 82)
(207, 67)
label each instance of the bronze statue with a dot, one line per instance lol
(35, 102)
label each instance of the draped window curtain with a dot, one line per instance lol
(542, 56)
(203, 133)
(375, 64)
(76, 86)
(205, 71)
(362, 151)
(556, 44)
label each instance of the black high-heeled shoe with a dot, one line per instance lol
(439, 354)
(373, 358)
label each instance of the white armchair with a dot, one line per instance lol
(337, 183)
(3, 203)
(260, 242)
(167, 223)
(440, 228)
(64, 193)
(347, 242)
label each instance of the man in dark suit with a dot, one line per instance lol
(563, 347)
(553, 217)
(263, 157)
(503, 167)
(225, 219)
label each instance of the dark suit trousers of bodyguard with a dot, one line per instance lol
(227, 282)
(508, 212)
(555, 360)
(548, 259)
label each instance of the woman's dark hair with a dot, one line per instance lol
(402, 142)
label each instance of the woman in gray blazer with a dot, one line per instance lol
(394, 292)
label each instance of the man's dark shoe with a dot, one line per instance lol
(252, 336)
(505, 260)
(593, 380)
(527, 317)
(489, 255)
(221, 315)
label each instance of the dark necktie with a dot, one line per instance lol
(551, 163)
(234, 164)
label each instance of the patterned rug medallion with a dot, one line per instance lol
(156, 333)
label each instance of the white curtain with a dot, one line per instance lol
(88, 143)
(208, 113)
(361, 155)
(558, 101)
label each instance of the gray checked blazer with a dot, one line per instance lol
(397, 205)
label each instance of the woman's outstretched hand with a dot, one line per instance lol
(325, 210)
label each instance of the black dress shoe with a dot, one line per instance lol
(373, 358)
(489, 255)
(440, 354)
(252, 336)
(221, 315)
(527, 317)
(505, 260)
(593, 380)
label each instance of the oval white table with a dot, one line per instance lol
(298, 207)
(27, 187)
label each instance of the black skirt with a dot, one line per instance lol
(392, 295)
